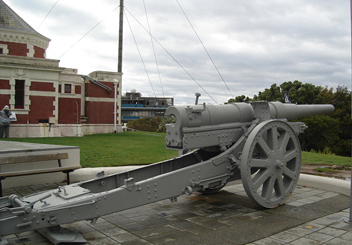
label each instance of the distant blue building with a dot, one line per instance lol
(134, 106)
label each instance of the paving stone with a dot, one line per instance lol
(36, 243)
(268, 241)
(342, 225)
(285, 237)
(320, 237)
(338, 241)
(311, 226)
(103, 241)
(166, 229)
(299, 231)
(295, 203)
(103, 225)
(303, 195)
(198, 229)
(184, 224)
(146, 232)
(136, 242)
(120, 220)
(347, 236)
(184, 216)
(114, 232)
(328, 194)
(328, 220)
(160, 239)
(93, 235)
(182, 235)
(332, 231)
(132, 226)
(303, 241)
(315, 198)
(124, 237)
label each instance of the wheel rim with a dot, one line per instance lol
(271, 163)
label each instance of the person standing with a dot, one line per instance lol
(5, 121)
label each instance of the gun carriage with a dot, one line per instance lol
(219, 143)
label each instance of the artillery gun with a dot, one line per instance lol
(219, 143)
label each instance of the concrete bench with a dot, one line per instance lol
(35, 158)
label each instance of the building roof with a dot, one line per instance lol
(11, 21)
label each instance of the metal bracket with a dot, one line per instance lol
(129, 184)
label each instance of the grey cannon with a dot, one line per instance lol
(255, 141)
(219, 143)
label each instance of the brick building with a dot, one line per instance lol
(49, 100)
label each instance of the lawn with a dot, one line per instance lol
(101, 150)
(134, 148)
(322, 159)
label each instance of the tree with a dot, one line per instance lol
(321, 134)
(146, 124)
(292, 92)
(332, 131)
(341, 100)
(270, 94)
(241, 98)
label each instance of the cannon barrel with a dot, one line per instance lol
(193, 120)
(291, 111)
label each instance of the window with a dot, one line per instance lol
(67, 88)
(19, 94)
(1, 50)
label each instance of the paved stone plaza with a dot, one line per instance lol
(310, 216)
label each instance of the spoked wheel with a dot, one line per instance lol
(271, 163)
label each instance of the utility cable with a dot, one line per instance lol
(47, 14)
(204, 48)
(156, 61)
(140, 55)
(171, 56)
(89, 32)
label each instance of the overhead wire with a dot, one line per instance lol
(171, 56)
(89, 31)
(140, 55)
(151, 39)
(47, 14)
(204, 47)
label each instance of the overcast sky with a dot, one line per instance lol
(253, 43)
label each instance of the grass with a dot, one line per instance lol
(134, 148)
(323, 159)
(102, 150)
(324, 170)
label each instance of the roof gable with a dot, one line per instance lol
(12, 21)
